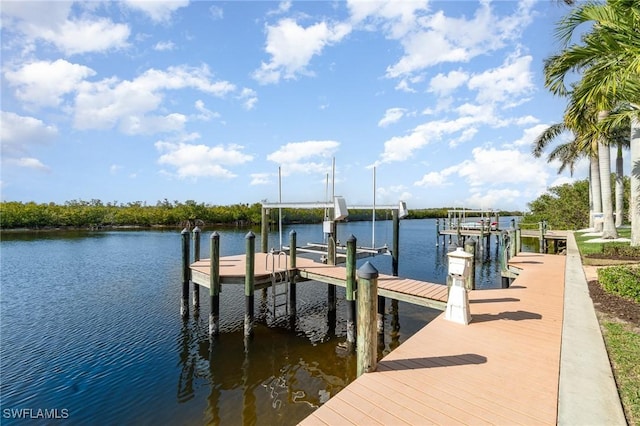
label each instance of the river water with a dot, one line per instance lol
(91, 331)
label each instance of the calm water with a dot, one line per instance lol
(90, 327)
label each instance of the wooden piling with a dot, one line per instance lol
(351, 291)
(470, 247)
(292, 276)
(214, 285)
(264, 231)
(186, 274)
(249, 284)
(438, 232)
(395, 247)
(367, 307)
(331, 289)
(196, 257)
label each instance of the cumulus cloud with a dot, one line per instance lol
(260, 178)
(529, 135)
(444, 84)
(53, 23)
(128, 104)
(163, 46)
(512, 79)
(192, 160)
(392, 115)
(157, 11)
(304, 157)
(19, 133)
(452, 39)
(292, 46)
(44, 83)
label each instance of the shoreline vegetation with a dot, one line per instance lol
(96, 215)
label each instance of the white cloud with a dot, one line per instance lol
(392, 115)
(249, 98)
(29, 163)
(512, 79)
(115, 168)
(158, 11)
(490, 167)
(51, 23)
(292, 47)
(445, 84)
(260, 178)
(396, 18)
(433, 179)
(529, 135)
(450, 39)
(18, 133)
(43, 83)
(300, 157)
(163, 46)
(199, 160)
(111, 102)
(494, 198)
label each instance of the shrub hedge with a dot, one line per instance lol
(622, 280)
(621, 250)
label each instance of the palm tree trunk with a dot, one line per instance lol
(634, 201)
(619, 188)
(596, 193)
(604, 162)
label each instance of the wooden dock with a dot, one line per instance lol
(233, 269)
(502, 368)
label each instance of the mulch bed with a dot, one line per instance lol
(614, 306)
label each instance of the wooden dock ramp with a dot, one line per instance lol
(502, 368)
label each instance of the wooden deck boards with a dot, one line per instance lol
(232, 271)
(503, 368)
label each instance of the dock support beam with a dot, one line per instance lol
(249, 284)
(292, 277)
(196, 257)
(367, 300)
(350, 292)
(470, 247)
(214, 285)
(186, 274)
(331, 289)
(264, 232)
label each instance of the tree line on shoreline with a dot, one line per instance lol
(95, 214)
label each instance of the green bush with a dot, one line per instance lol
(621, 280)
(621, 250)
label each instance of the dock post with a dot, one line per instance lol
(541, 236)
(249, 281)
(331, 289)
(196, 257)
(264, 231)
(437, 232)
(367, 301)
(214, 285)
(292, 276)
(186, 274)
(470, 247)
(395, 248)
(350, 292)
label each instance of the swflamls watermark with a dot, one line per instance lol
(35, 413)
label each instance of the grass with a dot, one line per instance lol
(623, 343)
(623, 346)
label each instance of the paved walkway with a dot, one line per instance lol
(532, 354)
(588, 393)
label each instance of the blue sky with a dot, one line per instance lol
(143, 100)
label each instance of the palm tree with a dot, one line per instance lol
(569, 153)
(609, 59)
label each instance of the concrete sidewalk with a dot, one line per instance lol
(587, 391)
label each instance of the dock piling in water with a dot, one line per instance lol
(367, 340)
(292, 277)
(186, 274)
(196, 257)
(351, 291)
(214, 285)
(249, 283)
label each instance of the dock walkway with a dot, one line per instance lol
(505, 367)
(233, 270)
